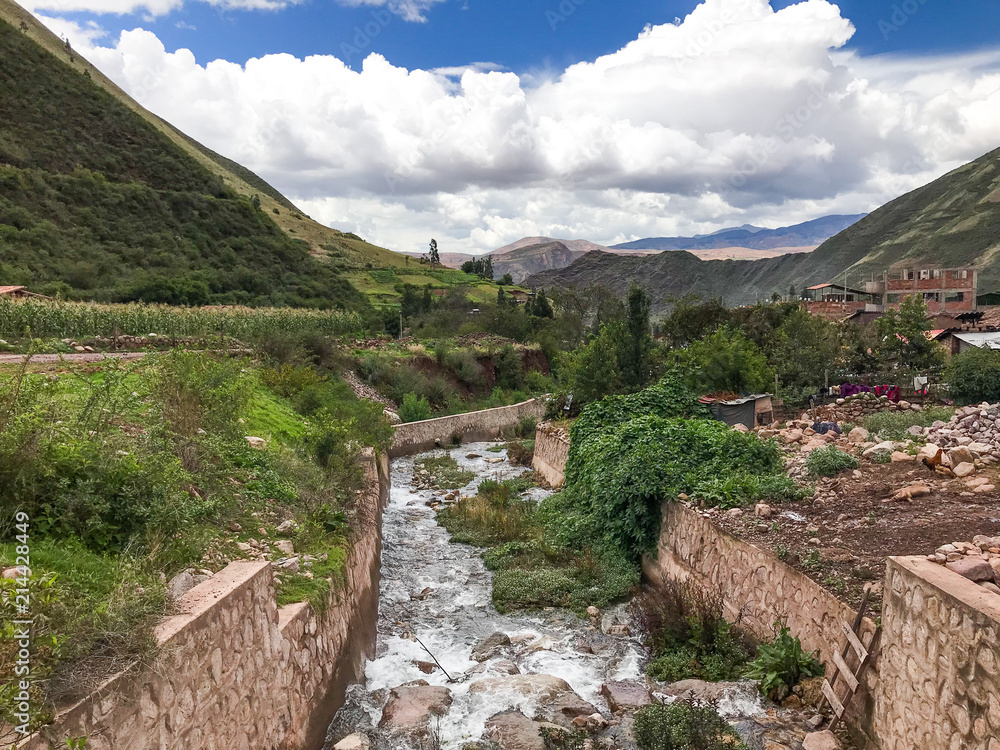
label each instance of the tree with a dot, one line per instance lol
(726, 361)
(596, 373)
(508, 368)
(506, 280)
(691, 319)
(791, 293)
(540, 307)
(974, 376)
(488, 267)
(633, 358)
(428, 301)
(902, 336)
(411, 301)
(433, 255)
(501, 298)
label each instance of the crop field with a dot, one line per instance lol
(52, 318)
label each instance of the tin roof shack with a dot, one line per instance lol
(957, 342)
(19, 292)
(748, 411)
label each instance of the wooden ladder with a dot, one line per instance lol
(852, 677)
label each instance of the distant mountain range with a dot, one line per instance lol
(530, 255)
(808, 233)
(951, 222)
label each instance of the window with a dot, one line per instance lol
(925, 274)
(892, 299)
(937, 273)
(955, 297)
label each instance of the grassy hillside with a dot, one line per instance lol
(95, 202)
(954, 221)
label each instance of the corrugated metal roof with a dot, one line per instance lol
(989, 340)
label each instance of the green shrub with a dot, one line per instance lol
(782, 664)
(893, 425)
(446, 472)
(688, 634)
(684, 726)
(829, 461)
(618, 478)
(414, 408)
(462, 363)
(507, 366)
(526, 427)
(974, 376)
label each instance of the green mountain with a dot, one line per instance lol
(99, 199)
(952, 222)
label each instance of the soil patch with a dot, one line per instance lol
(857, 530)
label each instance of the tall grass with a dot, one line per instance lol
(48, 318)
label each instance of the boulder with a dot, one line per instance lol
(287, 527)
(825, 740)
(898, 457)
(285, 547)
(961, 455)
(711, 692)
(964, 469)
(512, 730)
(984, 488)
(180, 584)
(411, 706)
(974, 568)
(356, 741)
(762, 510)
(623, 695)
(490, 646)
(858, 435)
(258, 443)
(887, 446)
(930, 452)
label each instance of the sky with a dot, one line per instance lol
(478, 122)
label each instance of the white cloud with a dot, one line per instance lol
(738, 113)
(408, 10)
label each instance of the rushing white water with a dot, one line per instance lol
(457, 613)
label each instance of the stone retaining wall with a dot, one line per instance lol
(488, 424)
(551, 452)
(237, 672)
(759, 590)
(939, 669)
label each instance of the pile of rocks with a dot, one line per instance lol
(978, 560)
(855, 408)
(560, 433)
(974, 427)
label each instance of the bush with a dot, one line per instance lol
(508, 368)
(684, 726)
(974, 376)
(688, 634)
(893, 425)
(829, 460)
(781, 665)
(726, 361)
(618, 479)
(526, 426)
(414, 408)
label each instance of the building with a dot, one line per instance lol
(958, 341)
(836, 301)
(942, 289)
(18, 292)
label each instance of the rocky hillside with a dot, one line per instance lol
(953, 221)
(809, 233)
(525, 261)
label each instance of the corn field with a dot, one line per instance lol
(35, 318)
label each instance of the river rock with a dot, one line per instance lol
(825, 740)
(512, 730)
(623, 695)
(285, 547)
(180, 584)
(887, 446)
(710, 692)
(490, 646)
(356, 741)
(411, 706)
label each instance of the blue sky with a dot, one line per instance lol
(521, 35)
(587, 119)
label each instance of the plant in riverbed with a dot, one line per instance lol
(781, 665)
(684, 726)
(688, 634)
(494, 515)
(446, 472)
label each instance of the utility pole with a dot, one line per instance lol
(401, 324)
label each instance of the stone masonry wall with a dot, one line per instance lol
(415, 437)
(235, 672)
(758, 589)
(551, 452)
(939, 669)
